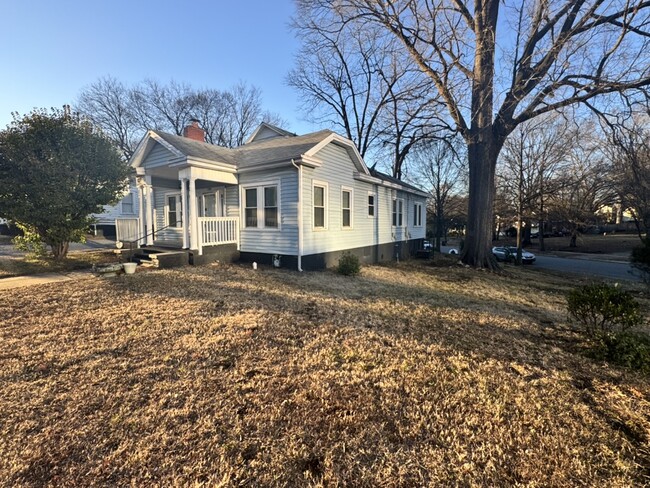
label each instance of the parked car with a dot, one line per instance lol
(509, 253)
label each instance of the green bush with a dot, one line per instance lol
(641, 259)
(603, 309)
(625, 349)
(349, 265)
(29, 241)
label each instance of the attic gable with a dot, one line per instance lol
(267, 131)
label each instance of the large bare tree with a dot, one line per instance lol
(125, 113)
(499, 63)
(355, 79)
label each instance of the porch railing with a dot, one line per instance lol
(217, 230)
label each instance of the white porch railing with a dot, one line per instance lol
(218, 230)
(128, 230)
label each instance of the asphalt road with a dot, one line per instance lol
(589, 267)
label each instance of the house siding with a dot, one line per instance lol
(337, 171)
(112, 212)
(158, 156)
(283, 240)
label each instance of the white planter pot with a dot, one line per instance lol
(129, 268)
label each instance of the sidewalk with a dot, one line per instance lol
(42, 278)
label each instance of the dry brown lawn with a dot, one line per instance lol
(408, 375)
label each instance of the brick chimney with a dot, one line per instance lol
(193, 131)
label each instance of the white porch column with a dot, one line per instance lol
(184, 206)
(194, 224)
(141, 230)
(149, 211)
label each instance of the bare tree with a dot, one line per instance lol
(630, 154)
(126, 113)
(531, 158)
(356, 80)
(497, 64)
(440, 165)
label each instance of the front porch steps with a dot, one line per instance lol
(159, 257)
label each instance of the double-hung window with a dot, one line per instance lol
(346, 207)
(250, 207)
(270, 206)
(371, 205)
(319, 197)
(174, 211)
(417, 215)
(398, 212)
(127, 204)
(261, 206)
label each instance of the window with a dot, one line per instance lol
(346, 208)
(127, 204)
(320, 203)
(398, 212)
(261, 208)
(270, 206)
(250, 207)
(417, 215)
(174, 211)
(371, 205)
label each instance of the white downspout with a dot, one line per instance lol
(299, 168)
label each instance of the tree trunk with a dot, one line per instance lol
(439, 226)
(482, 164)
(60, 250)
(542, 246)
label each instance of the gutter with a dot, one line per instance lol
(299, 168)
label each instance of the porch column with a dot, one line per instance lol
(184, 206)
(141, 230)
(149, 212)
(193, 227)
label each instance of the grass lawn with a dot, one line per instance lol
(76, 260)
(409, 375)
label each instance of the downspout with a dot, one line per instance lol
(299, 168)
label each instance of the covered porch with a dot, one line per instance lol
(188, 207)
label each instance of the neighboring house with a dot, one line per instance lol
(126, 208)
(297, 201)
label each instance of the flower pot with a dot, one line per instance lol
(129, 268)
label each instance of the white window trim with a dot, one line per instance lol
(374, 205)
(325, 185)
(179, 211)
(351, 191)
(404, 221)
(259, 186)
(417, 207)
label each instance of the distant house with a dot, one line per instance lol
(126, 208)
(296, 201)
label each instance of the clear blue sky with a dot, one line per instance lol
(50, 50)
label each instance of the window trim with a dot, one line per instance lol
(374, 205)
(396, 215)
(326, 191)
(417, 217)
(179, 210)
(349, 190)
(259, 187)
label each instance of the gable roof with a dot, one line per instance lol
(269, 127)
(278, 149)
(196, 149)
(396, 181)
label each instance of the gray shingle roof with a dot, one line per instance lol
(197, 149)
(385, 177)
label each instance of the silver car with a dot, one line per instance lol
(509, 253)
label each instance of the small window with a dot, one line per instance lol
(127, 204)
(371, 205)
(417, 215)
(319, 207)
(251, 207)
(271, 206)
(398, 212)
(174, 211)
(346, 208)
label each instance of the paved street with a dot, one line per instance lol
(588, 267)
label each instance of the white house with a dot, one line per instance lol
(299, 200)
(126, 208)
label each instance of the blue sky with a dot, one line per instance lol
(50, 50)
